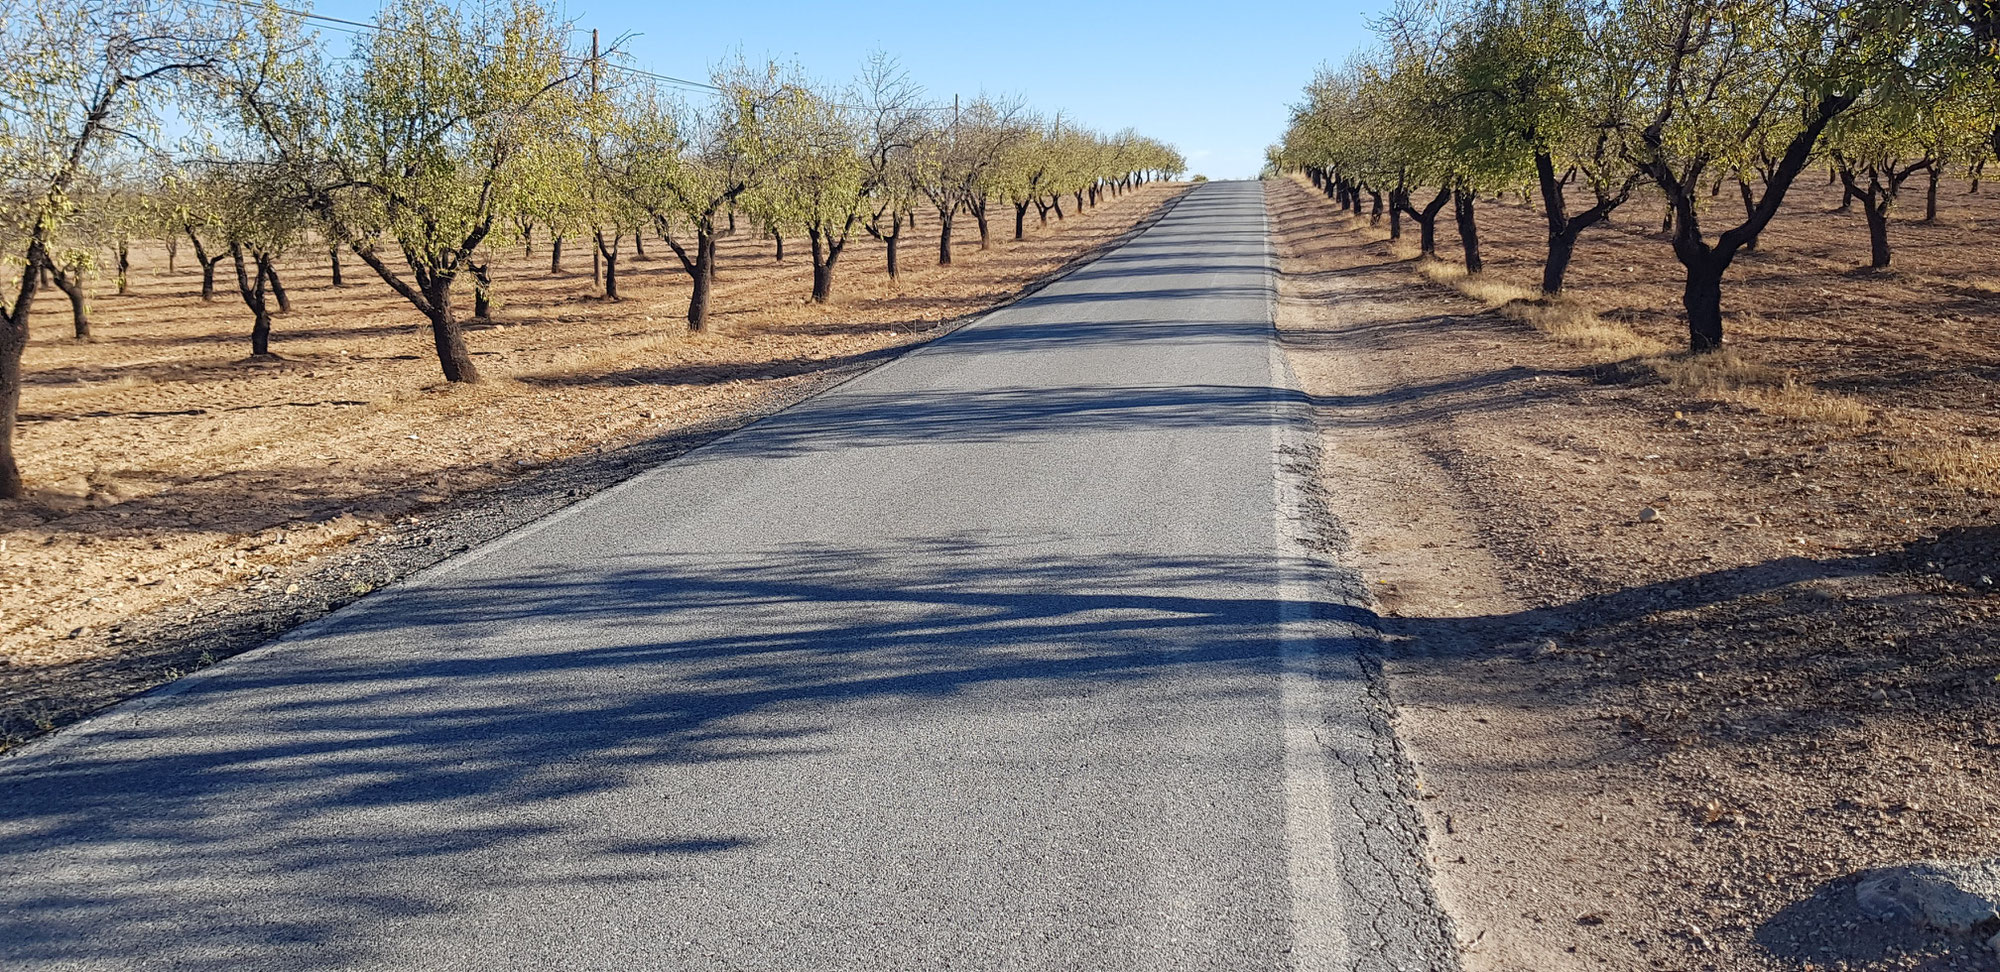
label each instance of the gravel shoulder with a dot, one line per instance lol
(1675, 740)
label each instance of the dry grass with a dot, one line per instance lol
(1964, 466)
(1560, 318)
(1725, 376)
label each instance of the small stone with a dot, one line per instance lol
(1649, 514)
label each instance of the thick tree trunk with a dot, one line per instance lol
(1398, 199)
(1876, 210)
(1468, 230)
(1702, 298)
(260, 334)
(704, 280)
(125, 264)
(944, 240)
(825, 253)
(173, 253)
(13, 340)
(1020, 220)
(555, 253)
(1562, 247)
(453, 354)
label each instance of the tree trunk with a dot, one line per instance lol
(333, 257)
(555, 253)
(173, 252)
(1562, 247)
(824, 256)
(890, 242)
(1375, 210)
(639, 243)
(1749, 205)
(1930, 195)
(704, 280)
(1876, 209)
(1020, 220)
(70, 282)
(13, 340)
(252, 288)
(1427, 220)
(453, 355)
(609, 251)
(944, 240)
(780, 239)
(278, 287)
(1468, 230)
(1702, 298)
(1398, 199)
(125, 261)
(979, 219)
(482, 292)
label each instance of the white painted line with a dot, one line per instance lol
(1319, 936)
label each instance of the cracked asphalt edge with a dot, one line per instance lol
(187, 636)
(1382, 893)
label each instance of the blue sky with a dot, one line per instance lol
(1213, 80)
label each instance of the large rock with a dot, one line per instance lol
(1958, 898)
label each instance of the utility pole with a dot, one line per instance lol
(596, 271)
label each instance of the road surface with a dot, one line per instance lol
(1001, 656)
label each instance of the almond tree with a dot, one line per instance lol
(685, 166)
(893, 110)
(1532, 72)
(425, 131)
(74, 74)
(1728, 81)
(1903, 125)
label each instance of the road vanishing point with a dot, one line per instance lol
(1008, 654)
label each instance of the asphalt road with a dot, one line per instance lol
(1004, 655)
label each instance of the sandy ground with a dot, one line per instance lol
(1673, 743)
(169, 469)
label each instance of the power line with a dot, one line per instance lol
(357, 28)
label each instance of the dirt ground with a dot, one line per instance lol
(1674, 663)
(177, 482)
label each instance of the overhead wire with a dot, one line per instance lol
(358, 28)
